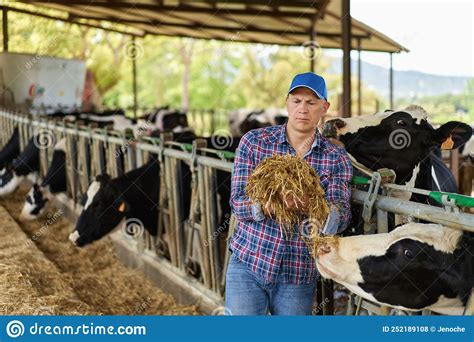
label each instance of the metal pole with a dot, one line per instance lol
(346, 60)
(312, 37)
(5, 30)
(359, 79)
(134, 75)
(391, 80)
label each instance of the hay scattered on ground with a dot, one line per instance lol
(47, 275)
(287, 176)
(30, 283)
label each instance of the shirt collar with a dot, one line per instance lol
(316, 142)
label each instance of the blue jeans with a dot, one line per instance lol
(247, 293)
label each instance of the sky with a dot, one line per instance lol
(438, 33)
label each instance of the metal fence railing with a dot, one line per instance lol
(192, 240)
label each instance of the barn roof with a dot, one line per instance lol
(259, 21)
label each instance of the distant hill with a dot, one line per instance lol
(406, 83)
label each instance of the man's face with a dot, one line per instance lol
(305, 109)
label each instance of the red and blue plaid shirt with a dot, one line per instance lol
(258, 242)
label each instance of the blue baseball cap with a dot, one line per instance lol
(311, 81)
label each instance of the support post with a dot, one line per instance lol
(359, 79)
(346, 60)
(391, 80)
(312, 37)
(134, 75)
(5, 30)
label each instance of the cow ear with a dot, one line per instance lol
(452, 134)
(120, 204)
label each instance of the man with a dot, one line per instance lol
(267, 272)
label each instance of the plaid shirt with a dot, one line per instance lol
(258, 241)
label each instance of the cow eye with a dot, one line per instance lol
(401, 122)
(408, 254)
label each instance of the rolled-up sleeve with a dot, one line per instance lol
(338, 191)
(244, 164)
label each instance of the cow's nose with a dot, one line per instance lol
(327, 244)
(323, 248)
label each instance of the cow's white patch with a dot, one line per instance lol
(11, 186)
(2, 171)
(91, 192)
(448, 306)
(61, 145)
(441, 238)
(28, 208)
(160, 117)
(406, 195)
(74, 236)
(121, 123)
(469, 148)
(435, 178)
(181, 129)
(358, 122)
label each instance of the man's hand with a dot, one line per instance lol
(295, 203)
(332, 222)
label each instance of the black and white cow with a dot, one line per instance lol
(10, 151)
(414, 267)
(405, 142)
(91, 226)
(108, 203)
(164, 119)
(26, 165)
(243, 120)
(53, 183)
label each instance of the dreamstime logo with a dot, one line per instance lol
(221, 311)
(15, 329)
(222, 228)
(318, 308)
(143, 306)
(52, 43)
(221, 139)
(50, 221)
(142, 130)
(309, 227)
(44, 139)
(133, 228)
(311, 50)
(399, 138)
(133, 50)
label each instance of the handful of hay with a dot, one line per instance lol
(287, 176)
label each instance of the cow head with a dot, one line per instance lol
(412, 267)
(242, 121)
(35, 204)
(103, 210)
(397, 140)
(170, 120)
